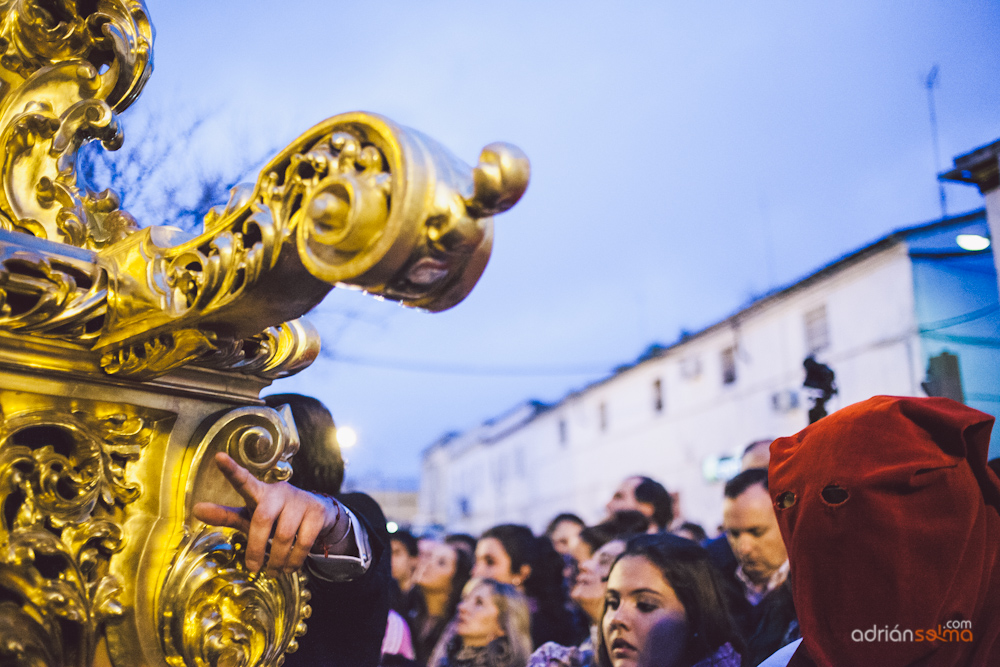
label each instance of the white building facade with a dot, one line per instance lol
(678, 411)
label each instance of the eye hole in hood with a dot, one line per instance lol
(785, 500)
(835, 495)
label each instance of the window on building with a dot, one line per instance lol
(728, 358)
(602, 416)
(658, 395)
(500, 471)
(944, 377)
(563, 432)
(690, 368)
(817, 330)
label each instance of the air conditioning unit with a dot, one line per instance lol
(690, 368)
(720, 468)
(785, 400)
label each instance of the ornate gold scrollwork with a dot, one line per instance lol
(277, 352)
(73, 72)
(152, 357)
(212, 610)
(215, 612)
(357, 201)
(63, 489)
(45, 296)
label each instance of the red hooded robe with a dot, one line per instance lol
(891, 518)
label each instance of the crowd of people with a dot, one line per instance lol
(872, 537)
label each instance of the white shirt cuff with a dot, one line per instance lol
(344, 567)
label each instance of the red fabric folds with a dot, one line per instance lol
(892, 522)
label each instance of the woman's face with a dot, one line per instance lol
(565, 537)
(478, 617)
(492, 562)
(403, 564)
(592, 579)
(436, 570)
(638, 598)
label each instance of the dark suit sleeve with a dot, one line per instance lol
(348, 618)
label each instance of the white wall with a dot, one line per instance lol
(529, 476)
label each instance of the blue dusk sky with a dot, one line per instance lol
(685, 158)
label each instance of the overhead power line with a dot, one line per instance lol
(931, 330)
(960, 319)
(468, 369)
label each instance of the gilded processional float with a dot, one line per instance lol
(129, 356)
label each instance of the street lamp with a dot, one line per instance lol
(347, 437)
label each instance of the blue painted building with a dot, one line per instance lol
(958, 307)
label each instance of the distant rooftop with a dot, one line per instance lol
(980, 167)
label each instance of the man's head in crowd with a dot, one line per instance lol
(647, 496)
(564, 532)
(756, 455)
(404, 557)
(318, 465)
(691, 531)
(751, 526)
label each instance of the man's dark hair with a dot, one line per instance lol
(565, 516)
(318, 465)
(756, 443)
(406, 538)
(652, 492)
(698, 533)
(621, 526)
(737, 485)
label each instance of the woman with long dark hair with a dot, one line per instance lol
(512, 554)
(664, 598)
(440, 577)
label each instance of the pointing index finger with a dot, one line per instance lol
(239, 478)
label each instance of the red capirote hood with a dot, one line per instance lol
(891, 518)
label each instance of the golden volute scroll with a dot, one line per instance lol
(130, 355)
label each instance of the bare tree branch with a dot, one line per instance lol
(158, 173)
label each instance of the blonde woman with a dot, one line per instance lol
(491, 629)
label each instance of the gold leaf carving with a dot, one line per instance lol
(277, 352)
(44, 296)
(63, 488)
(212, 609)
(69, 73)
(115, 34)
(357, 202)
(260, 439)
(159, 355)
(215, 612)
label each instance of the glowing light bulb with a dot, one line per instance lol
(391, 527)
(972, 242)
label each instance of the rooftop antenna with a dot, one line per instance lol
(930, 84)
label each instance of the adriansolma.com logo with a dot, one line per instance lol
(952, 631)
